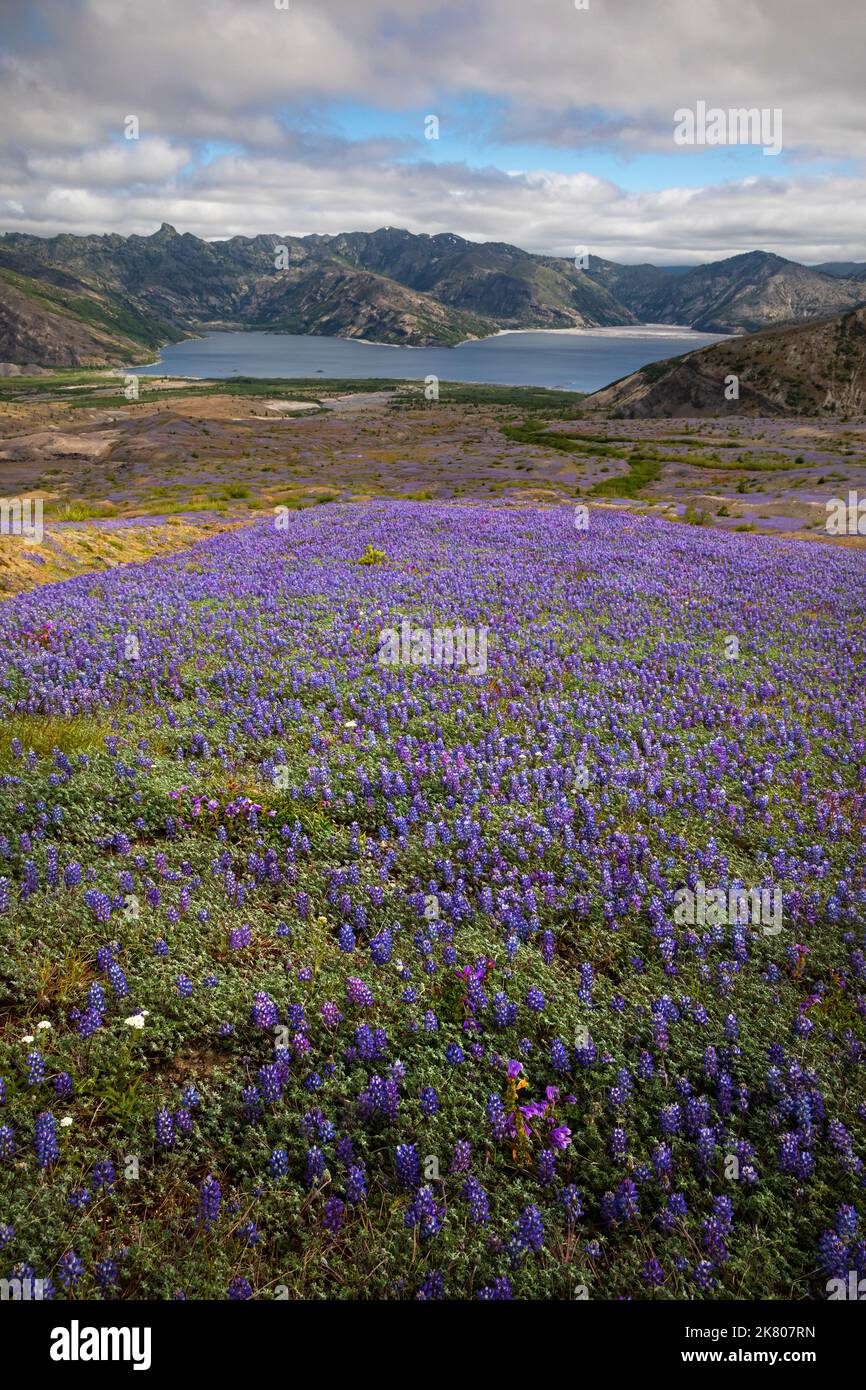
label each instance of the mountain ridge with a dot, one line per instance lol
(393, 286)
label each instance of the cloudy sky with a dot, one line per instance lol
(555, 124)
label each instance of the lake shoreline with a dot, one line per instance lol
(571, 359)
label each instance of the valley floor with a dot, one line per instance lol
(207, 454)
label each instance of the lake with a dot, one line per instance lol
(570, 359)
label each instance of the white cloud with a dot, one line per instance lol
(201, 68)
(128, 162)
(810, 219)
(230, 70)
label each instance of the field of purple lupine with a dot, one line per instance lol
(328, 978)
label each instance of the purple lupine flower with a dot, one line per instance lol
(424, 1213)
(264, 1012)
(278, 1163)
(479, 1202)
(652, 1272)
(70, 1268)
(35, 1067)
(164, 1126)
(332, 1218)
(102, 1174)
(527, 1235)
(45, 1139)
(408, 1165)
(107, 1275)
(210, 1199)
(433, 1287)
(356, 1183)
(359, 993)
(429, 1101)
(315, 1166)
(846, 1222)
(572, 1203)
(499, 1291)
(461, 1156)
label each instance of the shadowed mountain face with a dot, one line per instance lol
(844, 269)
(508, 285)
(805, 369)
(740, 295)
(105, 300)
